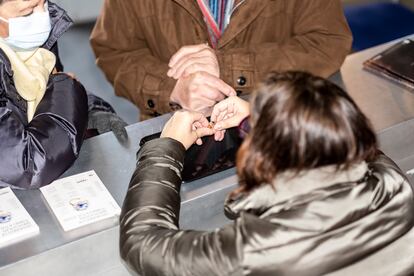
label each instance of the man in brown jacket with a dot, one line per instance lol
(140, 47)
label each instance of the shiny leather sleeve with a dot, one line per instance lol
(312, 233)
(151, 242)
(35, 154)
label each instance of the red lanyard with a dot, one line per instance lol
(211, 22)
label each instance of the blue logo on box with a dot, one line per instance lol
(79, 204)
(5, 216)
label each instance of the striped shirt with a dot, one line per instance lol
(217, 16)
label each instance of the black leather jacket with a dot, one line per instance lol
(36, 153)
(310, 224)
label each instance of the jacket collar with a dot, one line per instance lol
(287, 186)
(245, 12)
(61, 22)
(192, 8)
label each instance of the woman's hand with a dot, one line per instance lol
(187, 127)
(229, 113)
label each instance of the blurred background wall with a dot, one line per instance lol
(81, 10)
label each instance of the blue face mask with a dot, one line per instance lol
(29, 32)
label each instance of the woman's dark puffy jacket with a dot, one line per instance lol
(34, 154)
(310, 224)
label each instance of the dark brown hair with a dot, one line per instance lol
(301, 122)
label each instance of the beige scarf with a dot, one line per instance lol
(31, 71)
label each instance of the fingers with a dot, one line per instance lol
(211, 93)
(202, 121)
(195, 116)
(229, 113)
(199, 127)
(204, 60)
(224, 115)
(205, 56)
(204, 93)
(205, 131)
(219, 135)
(199, 142)
(206, 110)
(192, 66)
(219, 108)
(196, 119)
(196, 125)
(186, 50)
(227, 123)
(215, 112)
(217, 83)
(118, 128)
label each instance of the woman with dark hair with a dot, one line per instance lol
(315, 193)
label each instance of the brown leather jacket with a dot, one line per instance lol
(134, 40)
(310, 224)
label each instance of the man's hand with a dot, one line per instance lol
(200, 92)
(191, 59)
(187, 127)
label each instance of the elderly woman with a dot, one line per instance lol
(43, 113)
(315, 194)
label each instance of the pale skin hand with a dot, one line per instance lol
(194, 58)
(17, 8)
(227, 114)
(200, 91)
(187, 127)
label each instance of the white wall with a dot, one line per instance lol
(81, 10)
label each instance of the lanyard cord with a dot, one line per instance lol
(211, 21)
